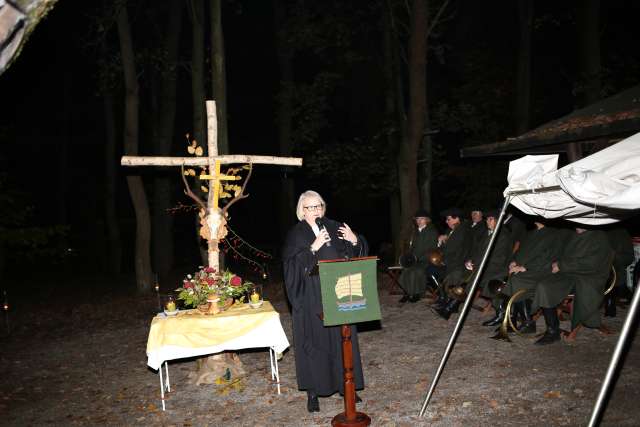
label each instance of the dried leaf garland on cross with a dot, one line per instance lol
(197, 288)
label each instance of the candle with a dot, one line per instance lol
(255, 297)
(171, 306)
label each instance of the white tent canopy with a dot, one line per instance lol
(599, 189)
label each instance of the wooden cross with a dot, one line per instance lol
(212, 216)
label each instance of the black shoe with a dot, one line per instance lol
(358, 399)
(446, 311)
(610, 304)
(313, 405)
(414, 298)
(497, 319)
(523, 308)
(553, 327)
(404, 298)
(440, 302)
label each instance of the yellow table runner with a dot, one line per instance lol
(191, 329)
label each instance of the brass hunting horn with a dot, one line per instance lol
(503, 332)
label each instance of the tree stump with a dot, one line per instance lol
(209, 369)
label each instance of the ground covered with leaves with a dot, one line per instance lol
(79, 359)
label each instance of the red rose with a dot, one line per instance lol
(236, 281)
(187, 285)
(209, 270)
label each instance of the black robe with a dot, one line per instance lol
(318, 349)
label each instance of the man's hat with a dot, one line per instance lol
(457, 212)
(493, 213)
(422, 213)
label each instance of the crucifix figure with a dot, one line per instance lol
(212, 217)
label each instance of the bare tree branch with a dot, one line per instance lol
(437, 18)
(188, 192)
(241, 195)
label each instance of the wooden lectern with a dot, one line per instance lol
(349, 295)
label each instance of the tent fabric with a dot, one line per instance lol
(598, 189)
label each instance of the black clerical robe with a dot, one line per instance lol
(318, 349)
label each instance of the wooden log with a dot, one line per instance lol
(204, 161)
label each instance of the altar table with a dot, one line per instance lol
(190, 333)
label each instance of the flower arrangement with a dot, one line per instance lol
(207, 281)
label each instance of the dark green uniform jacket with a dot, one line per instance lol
(414, 279)
(456, 251)
(477, 231)
(537, 251)
(498, 261)
(584, 269)
(620, 241)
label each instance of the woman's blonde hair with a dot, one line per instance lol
(308, 195)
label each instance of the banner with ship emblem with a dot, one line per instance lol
(349, 291)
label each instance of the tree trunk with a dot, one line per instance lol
(284, 117)
(523, 88)
(408, 154)
(218, 74)
(198, 95)
(136, 187)
(589, 33)
(163, 221)
(589, 47)
(394, 113)
(114, 243)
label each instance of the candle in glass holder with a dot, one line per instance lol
(255, 297)
(170, 304)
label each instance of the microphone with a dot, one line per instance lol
(321, 226)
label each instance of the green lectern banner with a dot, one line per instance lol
(349, 291)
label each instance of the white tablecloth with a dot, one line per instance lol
(268, 334)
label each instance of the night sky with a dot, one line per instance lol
(51, 114)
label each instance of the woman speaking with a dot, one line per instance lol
(318, 349)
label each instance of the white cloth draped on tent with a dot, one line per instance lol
(599, 189)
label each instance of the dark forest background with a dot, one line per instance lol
(377, 96)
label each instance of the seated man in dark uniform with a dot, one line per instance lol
(496, 266)
(477, 227)
(582, 269)
(423, 239)
(455, 247)
(622, 246)
(530, 264)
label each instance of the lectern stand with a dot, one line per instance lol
(350, 417)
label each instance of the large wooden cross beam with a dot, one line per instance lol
(213, 215)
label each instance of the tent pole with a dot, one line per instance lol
(465, 308)
(615, 359)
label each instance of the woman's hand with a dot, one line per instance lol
(346, 233)
(321, 239)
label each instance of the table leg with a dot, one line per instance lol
(273, 358)
(161, 387)
(166, 367)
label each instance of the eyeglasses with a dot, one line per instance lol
(313, 207)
